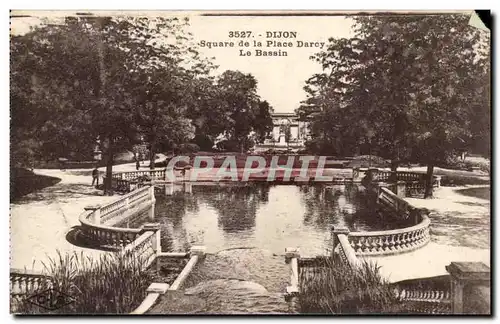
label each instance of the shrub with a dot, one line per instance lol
(338, 289)
(114, 284)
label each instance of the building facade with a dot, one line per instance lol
(288, 133)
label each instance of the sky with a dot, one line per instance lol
(280, 78)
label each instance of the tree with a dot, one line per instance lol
(169, 70)
(263, 123)
(81, 73)
(403, 79)
(242, 110)
(103, 78)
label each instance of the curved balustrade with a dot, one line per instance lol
(391, 241)
(109, 237)
(346, 252)
(97, 221)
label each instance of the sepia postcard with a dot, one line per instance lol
(250, 162)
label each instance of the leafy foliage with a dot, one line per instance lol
(123, 81)
(401, 89)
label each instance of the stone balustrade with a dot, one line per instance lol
(412, 183)
(97, 222)
(425, 301)
(110, 237)
(146, 247)
(344, 249)
(391, 241)
(23, 282)
(155, 174)
(422, 295)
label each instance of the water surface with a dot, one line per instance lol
(259, 215)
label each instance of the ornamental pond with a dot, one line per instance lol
(245, 228)
(261, 215)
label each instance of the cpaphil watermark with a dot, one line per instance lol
(51, 299)
(251, 167)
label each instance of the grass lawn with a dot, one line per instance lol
(23, 182)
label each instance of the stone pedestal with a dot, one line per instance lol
(291, 253)
(470, 282)
(401, 189)
(282, 140)
(96, 217)
(359, 173)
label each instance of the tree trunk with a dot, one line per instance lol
(153, 153)
(428, 180)
(108, 190)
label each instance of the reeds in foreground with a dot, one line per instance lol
(112, 284)
(339, 289)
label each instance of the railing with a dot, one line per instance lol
(391, 241)
(23, 282)
(389, 200)
(425, 301)
(415, 299)
(425, 295)
(415, 182)
(346, 252)
(146, 247)
(156, 174)
(97, 222)
(120, 185)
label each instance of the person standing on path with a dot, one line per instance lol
(137, 164)
(95, 176)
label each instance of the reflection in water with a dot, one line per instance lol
(261, 215)
(236, 206)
